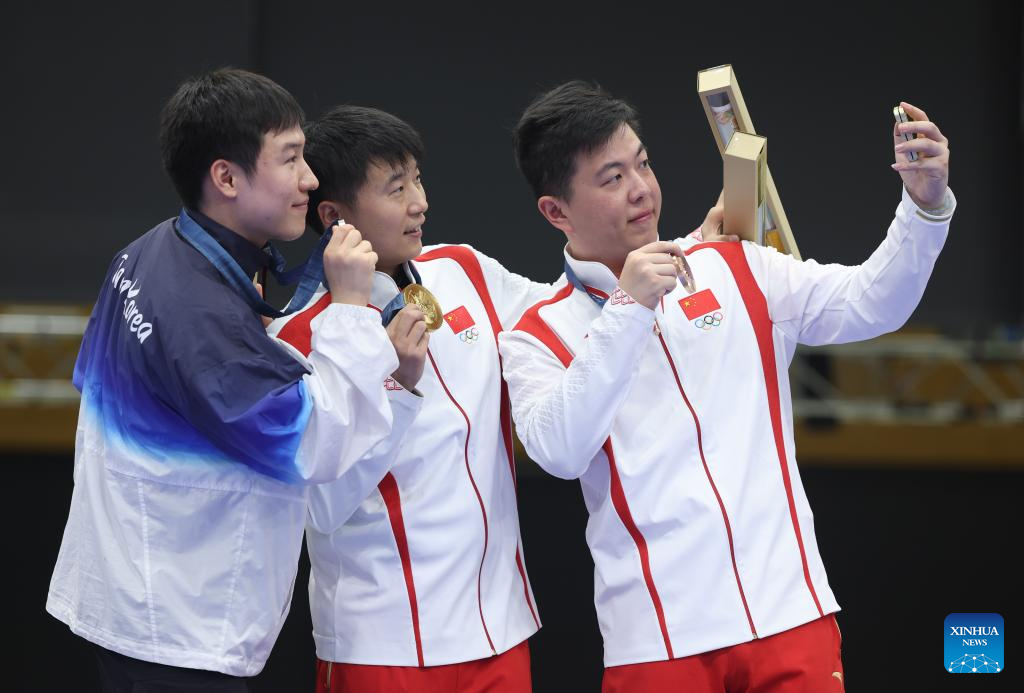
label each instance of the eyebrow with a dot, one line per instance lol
(396, 174)
(612, 164)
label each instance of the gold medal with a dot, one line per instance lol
(414, 293)
(684, 273)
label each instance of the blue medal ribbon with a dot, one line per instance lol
(309, 274)
(388, 312)
(575, 281)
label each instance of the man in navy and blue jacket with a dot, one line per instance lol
(198, 435)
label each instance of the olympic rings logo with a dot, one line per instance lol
(469, 335)
(708, 321)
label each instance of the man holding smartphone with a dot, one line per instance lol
(673, 408)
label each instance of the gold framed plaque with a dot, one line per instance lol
(743, 165)
(727, 115)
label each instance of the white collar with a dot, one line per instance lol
(386, 288)
(593, 275)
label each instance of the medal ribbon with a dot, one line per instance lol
(575, 281)
(309, 274)
(388, 312)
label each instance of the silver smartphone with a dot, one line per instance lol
(901, 117)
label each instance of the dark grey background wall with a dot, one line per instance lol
(85, 84)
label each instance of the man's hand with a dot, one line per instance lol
(408, 333)
(649, 272)
(349, 262)
(926, 178)
(711, 229)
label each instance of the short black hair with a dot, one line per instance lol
(573, 118)
(222, 114)
(343, 143)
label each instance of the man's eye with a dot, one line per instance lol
(400, 188)
(646, 163)
(614, 179)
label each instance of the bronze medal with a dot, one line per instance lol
(414, 293)
(684, 273)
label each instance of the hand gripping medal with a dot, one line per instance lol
(414, 293)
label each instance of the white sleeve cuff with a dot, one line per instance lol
(411, 399)
(940, 215)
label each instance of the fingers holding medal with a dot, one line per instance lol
(410, 337)
(652, 271)
(426, 302)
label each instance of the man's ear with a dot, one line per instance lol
(552, 209)
(329, 212)
(223, 177)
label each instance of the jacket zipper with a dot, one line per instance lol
(483, 511)
(707, 471)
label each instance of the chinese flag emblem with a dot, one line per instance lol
(698, 304)
(459, 319)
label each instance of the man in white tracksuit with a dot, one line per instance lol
(673, 408)
(418, 573)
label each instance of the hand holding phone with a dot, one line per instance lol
(901, 117)
(926, 175)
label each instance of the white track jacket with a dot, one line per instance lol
(425, 566)
(678, 423)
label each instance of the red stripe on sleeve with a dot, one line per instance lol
(298, 332)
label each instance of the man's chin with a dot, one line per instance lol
(415, 249)
(645, 236)
(408, 254)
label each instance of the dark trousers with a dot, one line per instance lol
(121, 674)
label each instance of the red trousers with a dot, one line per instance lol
(805, 659)
(508, 672)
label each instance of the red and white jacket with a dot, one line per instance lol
(426, 566)
(678, 423)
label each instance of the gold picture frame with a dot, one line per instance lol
(727, 115)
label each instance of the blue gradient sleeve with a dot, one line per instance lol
(262, 432)
(267, 435)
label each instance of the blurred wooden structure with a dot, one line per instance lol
(908, 398)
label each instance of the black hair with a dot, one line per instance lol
(573, 118)
(343, 143)
(222, 114)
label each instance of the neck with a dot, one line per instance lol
(224, 215)
(389, 269)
